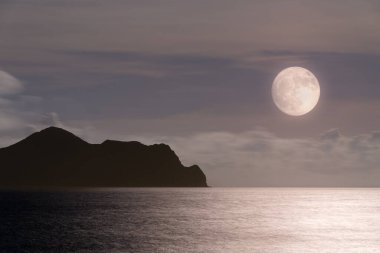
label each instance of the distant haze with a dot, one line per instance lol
(197, 75)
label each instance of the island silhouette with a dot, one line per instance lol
(55, 157)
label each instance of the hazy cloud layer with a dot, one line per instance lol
(259, 158)
(220, 27)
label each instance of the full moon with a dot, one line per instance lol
(295, 91)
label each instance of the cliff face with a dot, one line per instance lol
(55, 157)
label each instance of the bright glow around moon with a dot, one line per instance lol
(295, 91)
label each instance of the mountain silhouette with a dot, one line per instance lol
(55, 157)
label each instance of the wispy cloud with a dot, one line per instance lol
(19, 115)
(151, 65)
(9, 84)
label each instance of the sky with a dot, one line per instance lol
(197, 75)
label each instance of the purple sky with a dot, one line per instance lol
(197, 75)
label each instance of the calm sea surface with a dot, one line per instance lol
(191, 220)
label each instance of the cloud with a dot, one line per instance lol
(144, 64)
(220, 27)
(18, 114)
(9, 84)
(12, 121)
(332, 134)
(260, 158)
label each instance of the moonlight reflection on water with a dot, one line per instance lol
(191, 220)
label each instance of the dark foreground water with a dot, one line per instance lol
(191, 220)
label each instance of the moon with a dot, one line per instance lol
(295, 91)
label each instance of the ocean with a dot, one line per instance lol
(191, 220)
